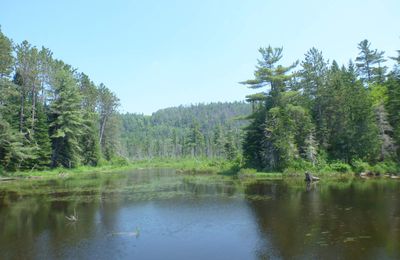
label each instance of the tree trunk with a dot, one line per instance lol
(33, 109)
(102, 127)
(21, 113)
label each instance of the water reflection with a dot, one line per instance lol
(352, 220)
(197, 217)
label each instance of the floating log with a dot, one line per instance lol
(7, 179)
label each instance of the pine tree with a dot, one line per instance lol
(393, 107)
(230, 149)
(90, 145)
(195, 141)
(351, 126)
(12, 150)
(369, 63)
(6, 58)
(258, 147)
(66, 122)
(28, 69)
(42, 138)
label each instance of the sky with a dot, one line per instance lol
(157, 54)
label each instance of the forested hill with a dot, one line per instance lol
(207, 115)
(52, 115)
(198, 130)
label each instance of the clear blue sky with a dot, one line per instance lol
(156, 54)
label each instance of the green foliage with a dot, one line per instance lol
(172, 132)
(360, 166)
(13, 152)
(42, 140)
(50, 114)
(393, 107)
(265, 145)
(253, 140)
(340, 167)
(119, 161)
(299, 166)
(109, 122)
(347, 114)
(6, 58)
(66, 122)
(386, 167)
(369, 63)
(320, 118)
(90, 146)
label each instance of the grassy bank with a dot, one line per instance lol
(213, 166)
(189, 165)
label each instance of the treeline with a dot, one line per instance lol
(323, 112)
(203, 130)
(51, 115)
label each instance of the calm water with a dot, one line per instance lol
(159, 214)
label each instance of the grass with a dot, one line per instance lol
(194, 166)
(188, 165)
(78, 170)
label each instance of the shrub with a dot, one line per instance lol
(385, 167)
(119, 161)
(360, 166)
(340, 167)
(300, 165)
(378, 168)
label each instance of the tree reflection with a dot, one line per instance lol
(330, 219)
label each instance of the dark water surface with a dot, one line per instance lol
(160, 214)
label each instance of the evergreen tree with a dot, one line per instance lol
(287, 131)
(28, 69)
(313, 75)
(369, 63)
(66, 122)
(351, 125)
(13, 152)
(230, 149)
(393, 106)
(258, 147)
(42, 138)
(195, 141)
(6, 58)
(90, 145)
(107, 105)
(219, 141)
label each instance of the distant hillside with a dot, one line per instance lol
(198, 130)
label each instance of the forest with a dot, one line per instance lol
(51, 115)
(205, 130)
(314, 114)
(320, 115)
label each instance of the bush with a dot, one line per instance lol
(360, 166)
(119, 161)
(385, 167)
(340, 167)
(102, 162)
(300, 165)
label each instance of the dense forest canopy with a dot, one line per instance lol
(212, 130)
(305, 115)
(315, 111)
(51, 115)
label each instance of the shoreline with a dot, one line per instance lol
(186, 165)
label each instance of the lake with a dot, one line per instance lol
(163, 214)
